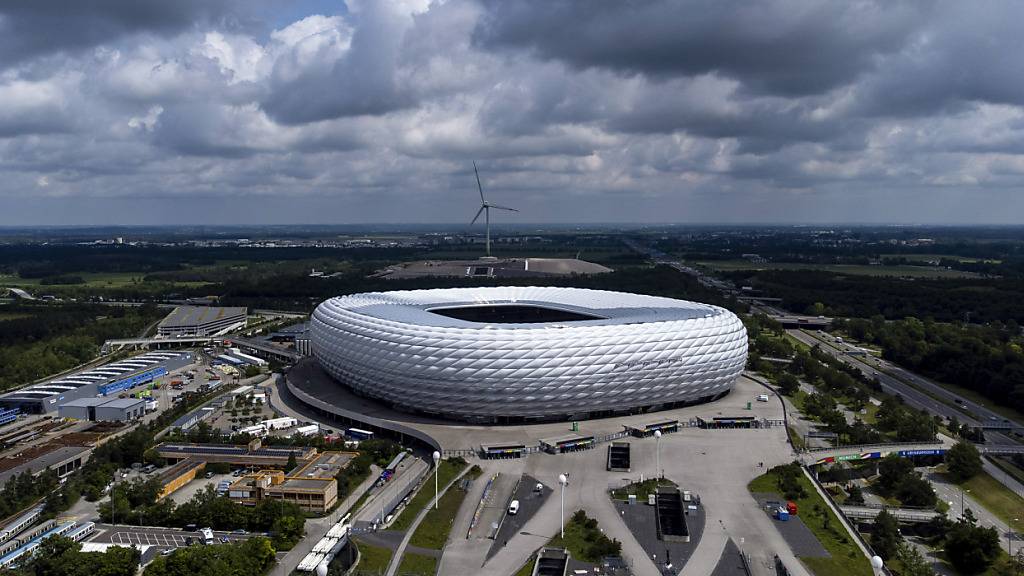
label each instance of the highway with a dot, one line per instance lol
(921, 394)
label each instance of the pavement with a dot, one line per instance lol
(642, 522)
(797, 534)
(396, 559)
(186, 492)
(530, 502)
(494, 508)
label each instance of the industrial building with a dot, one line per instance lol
(253, 454)
(512, 353)
(201, 321)
(312, 486)
(107, 380)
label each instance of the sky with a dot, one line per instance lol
(317, 111)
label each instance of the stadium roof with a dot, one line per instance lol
(579, 306)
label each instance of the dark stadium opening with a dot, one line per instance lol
(512, 314)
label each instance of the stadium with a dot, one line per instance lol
(507, 354)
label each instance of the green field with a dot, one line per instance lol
(434, 529)
(858, 269)
(417, 565)
(372, 559)
(92, 280)
(997, 499)
(847, 558)
(448, 469)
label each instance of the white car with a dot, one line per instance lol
(513, 508)
(762, 398)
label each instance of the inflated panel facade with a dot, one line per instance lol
(642, 351)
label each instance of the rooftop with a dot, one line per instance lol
(187, 316)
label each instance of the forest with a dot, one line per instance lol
(860, 296)
(987, 359)
(37, 340)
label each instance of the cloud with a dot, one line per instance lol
(589, 110)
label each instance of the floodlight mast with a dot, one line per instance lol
(485, 208)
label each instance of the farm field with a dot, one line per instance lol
(857, 269)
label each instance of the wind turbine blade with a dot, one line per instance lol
(478, 185)
(478, 213)
(503, 208)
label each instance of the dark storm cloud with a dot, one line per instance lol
(31, 28)
(779, 47)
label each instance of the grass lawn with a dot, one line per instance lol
(448, 470)
(997, 499)
(846, 559)
(796, 438)
(1007, 467)
(579, 540)
(433, 531)
(418, 565)
(373, 559)
(640, 489)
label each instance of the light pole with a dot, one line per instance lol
(1011, 534)
(562, 480)
(962, 509)
(657, 454)
(437, 460)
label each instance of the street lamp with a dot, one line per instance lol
(1011, 534)
(437, 460)
(962, 510)
(562, 480)
(657, 453)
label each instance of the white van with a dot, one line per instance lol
(513, 508)
(207, 535)
(762, 398)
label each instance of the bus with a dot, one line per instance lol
(357, 434)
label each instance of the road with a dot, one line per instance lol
(952, 495)
(894, 380)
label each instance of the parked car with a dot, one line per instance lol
(513, 508)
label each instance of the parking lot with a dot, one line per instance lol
(154, 536)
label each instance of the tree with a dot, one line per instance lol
(788, 384)
(912, 561)
(885, 536)
(892, 471)
(855, 495)
(970, 548)
(963, 461)
(292, 462)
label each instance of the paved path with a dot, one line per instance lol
(465, 555)
(396, 559)
(317, 528)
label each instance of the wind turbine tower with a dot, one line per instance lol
(485, 208)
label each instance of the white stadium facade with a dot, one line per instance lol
(506, 354)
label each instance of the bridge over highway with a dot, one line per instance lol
(834, 454)
(908, 515)
(256, 347)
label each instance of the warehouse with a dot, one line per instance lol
(107, 380)
(121, 410)
(201, 321)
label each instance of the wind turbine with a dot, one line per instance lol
(485, 208)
